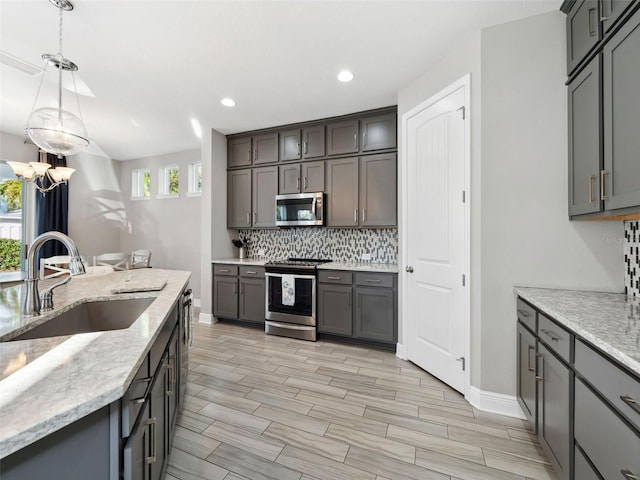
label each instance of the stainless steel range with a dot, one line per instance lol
(290, 303)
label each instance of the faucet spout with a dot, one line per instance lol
(31, 304)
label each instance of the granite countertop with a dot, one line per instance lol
(361, 267)
(48, 383)
(609, 321)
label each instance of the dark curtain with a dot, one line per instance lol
(52, 210)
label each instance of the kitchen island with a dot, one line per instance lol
(48, 384)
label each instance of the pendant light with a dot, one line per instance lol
(53, 129)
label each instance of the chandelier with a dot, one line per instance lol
(56, 130)
(41, 174)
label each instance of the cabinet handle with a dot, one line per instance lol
(591, 179)
(298, 149)
(364, 214)
(154, 444)
(550, 334)
(171, 390)
(249, 154)
(248, 218)
(632, 402)
(142, 399)
(531, 349)
(250, 272)
(629, 475)
(604, 17)
(603, 173)
(225, 270)
(255, 217)
(334, 278)
(355, 140)
(523, 313)
(540, 378)
(306, 183)
(306, 147)
(355, 215)
(373, 280)
(592, 17)
(255, 154)
(298, 183)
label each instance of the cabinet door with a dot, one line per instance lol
(137, 449)
(252, 299)
(289, 178)
(239, 152)
(265, 148)
(225, 297)
(171, 392)
(313, 177)
(158, 418)
(342, 137)
(379, 132)
(342, 192)
(265, 189)
(554, 403)
(290, 146)
(527, 392)
(622, 116)
(335, 309)
(375, 314)
(239, 199)
(612, 10)
(378, 199)
(313, 142)
(584, 141)
(583, 25)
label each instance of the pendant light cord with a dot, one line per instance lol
(60, 59)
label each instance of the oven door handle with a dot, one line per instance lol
(296, 275)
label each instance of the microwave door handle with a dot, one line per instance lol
(313, 207)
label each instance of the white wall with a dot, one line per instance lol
(13, 149)
(527, 238)
(520, 234)
(168, 227)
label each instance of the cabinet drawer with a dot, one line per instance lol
(335, 276)
(611, 445)
(221, 269)
(582, 469)
(618, 387)
(526, 314)
(246, 271)
(374, 279)
(556, 337)
(134, 397)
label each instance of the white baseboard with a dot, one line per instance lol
(494, 403)
(196, 302)
(401, 351)
(207, 318)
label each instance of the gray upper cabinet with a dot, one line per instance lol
(583, 31)
(289, 178)
(378, 199)
(313, 142)
(378, 132)
(265, 148)
(584, 141)
(342, 192)
(342, 137)
(301, 178)
(290, 145)
(239, 152)
(239, 198)
(621, 102)
(263, 196)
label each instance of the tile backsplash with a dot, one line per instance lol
(337, 244)
(632, 258)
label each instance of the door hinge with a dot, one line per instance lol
(464, 110)
(461, 359)
(464, 280)
(464, 196)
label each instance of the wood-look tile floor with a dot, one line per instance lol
(266, 407)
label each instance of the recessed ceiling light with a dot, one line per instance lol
(345, 76)
(228, 102)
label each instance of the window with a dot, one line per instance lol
(140, 183)
(168, 182)
(13, 214)
(195, 179)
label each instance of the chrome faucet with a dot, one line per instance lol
(32, 299)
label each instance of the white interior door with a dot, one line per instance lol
(436, 303)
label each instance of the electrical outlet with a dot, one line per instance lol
(261, 252)
(366, 257)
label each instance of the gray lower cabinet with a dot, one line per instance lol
(342, 192)
(358, 305)
(585, 141)
(239, 292)
(137, 448)
(263, 197)
(239, 198)
(158, 421)
(527, 385)
(621, 108)
(301, 177)
(554, 404)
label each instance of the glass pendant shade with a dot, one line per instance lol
(57, 131)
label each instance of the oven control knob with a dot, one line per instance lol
(409, 269)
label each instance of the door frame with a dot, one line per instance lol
(464, 82)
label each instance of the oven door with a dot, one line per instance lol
(303, 310)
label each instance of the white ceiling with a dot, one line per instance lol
(155, 65)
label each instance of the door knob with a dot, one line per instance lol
(409, 269)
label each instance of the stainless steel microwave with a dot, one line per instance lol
(300, 209)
